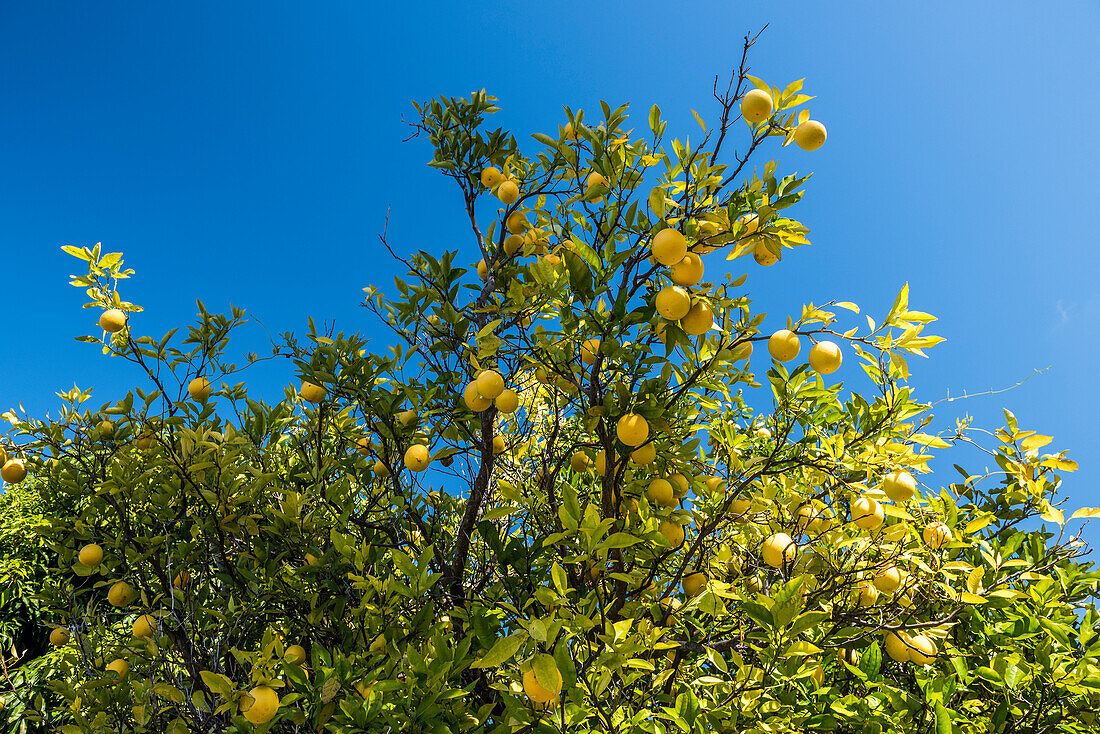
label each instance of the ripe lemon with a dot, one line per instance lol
(512, 243)
(739, 506)
(535, 690)
(589, 350)
(260, 705)
(417, 457)
(295, 654)
(491, 176)
(867, 593)
(693, 584)
(699, 320)
(644, 455)
(779, 550)
(660, 492)
(825, 358)
(498, 445)
(112, 320)
(474, 400)
(144, 441)
(490, 384)
(59, 637)
(756, 106)
(895, 644)
(673, 532)
(783, 345)
(482, 269)
(120, 594)
(899, 486)
(680, 484)
(507, 192)
(144, 626)
(568, 133)
(199, 389)
(406, 417)
(579, 461)
(688, 271)
(632, 429)
(121, 667)
(380, 468)
(762, 255)
(669, 247)
(809, 135)
(593, 180)
(937, 535)
(867, 513)
(673, 302)
(888, 579)
(312, 393)
(742, 351)
(600, 463)
(922, 650)
(507, 402)
(90, 555)
(749, 223)
(517, 223)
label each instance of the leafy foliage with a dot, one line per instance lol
(536, 575)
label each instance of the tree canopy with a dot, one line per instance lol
(583, 488)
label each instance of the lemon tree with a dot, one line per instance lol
(589, 486)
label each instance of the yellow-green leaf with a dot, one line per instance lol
(1086, 513)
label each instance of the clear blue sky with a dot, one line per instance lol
(248, 153)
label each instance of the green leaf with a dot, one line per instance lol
(870, 660)
(546, 671)
(943, 720)
(503, 650)
(620, 540)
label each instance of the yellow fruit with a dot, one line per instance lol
(762, 255)
(825, 358)
(199, 389)
(714, 484)
(688, 271)
(499, 445)
(867, 593)
(937, 535)
(112, 320)
(742, 351)
(779, 550)
(740, 506)
(380, 468)
(680, 484)
(482, 269)
(660, 492)
(750, 223)
(260, 705)
(756, 106)
(888, 579)
(508, 192)
(473, 399)
(673, 532)
(809, 135)
(491, 176)
(535, 690)
(59, 637)
(922, 650)
(600, 463)
(490, 384)
(295, 654)
(590, 349)
(507, 402)
(644, 455)
(106, 429)
(895, 646)
(144, 441)
(632, 429)
(512, 244)
(673, 302)
(699, 320)
(417, 457)
(764, 433)
(121, 667)
(120, 594)
(783, 345)
(593, 180)
(90, 555)
(405, 417)
(517, 223)
(144, 626)
(312, 393)
(579, 461)
(568, 133)
(899, 486)
(867, 513)
(669, 247)
(693, 584)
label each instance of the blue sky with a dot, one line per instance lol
(248, 153)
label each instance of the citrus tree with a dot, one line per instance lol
(587, 487)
